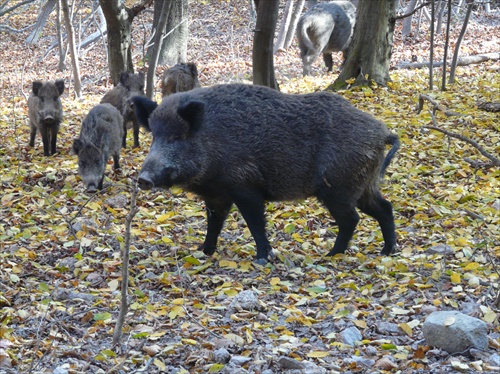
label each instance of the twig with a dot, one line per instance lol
(494, 161)
(125, 264)
(395, 18)
(436, 106)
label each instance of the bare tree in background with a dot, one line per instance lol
(262, 55)
(72, 48)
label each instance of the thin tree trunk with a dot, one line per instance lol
(446, 45)
(459, 42)
(263, 58)
(297, 11)
(47, 8)
(431, 60)
(155, 54)
(285, 25)
(72, 48)
(408, 20)
(60, 40)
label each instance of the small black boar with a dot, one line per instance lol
(130, 85)
(45, 113)
(325, 28)
(179, 78)
(244, 144)
(101, 136)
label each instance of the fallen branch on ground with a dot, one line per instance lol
(436, 106)
(463, 61)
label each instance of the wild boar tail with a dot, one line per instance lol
(392, 139)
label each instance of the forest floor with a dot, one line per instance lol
(60, 258)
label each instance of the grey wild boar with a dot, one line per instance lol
(323, 29)
(100, 137)
(244, 145)
(179, 78)
(45, 113)
(130, 85)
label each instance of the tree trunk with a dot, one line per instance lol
(446, 45)
(293, 23)
(371, 48)
(47, 8)
(155, 53)
(431, 52)
(459, 42)
(174, 44)
(408, 20)
(119, 24)
(263, 64)
(72, 48)
(285, 25)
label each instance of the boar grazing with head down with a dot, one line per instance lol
(244, 144)
(179, 78)
(130, 85)
(100, 137)
(45, 113)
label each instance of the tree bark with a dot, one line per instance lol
(408, 20)
(263, 64)
(463, 61)
(47, 8)
(72, 48)
(459, 42)
(174, 43)
(371, 48)
(293, 23)
(155, 54)
(119, 24)
(285, 25)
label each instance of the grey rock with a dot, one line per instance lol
(246, 300)
(388, 328)
(359, 360)
(289, 363)
(455, 332)
(239, 360)
(222, 356)
(441, 249)
(117, 202)
(351, 336)
(488, 357)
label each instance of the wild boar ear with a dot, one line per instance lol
(124, 77)
(143, 107)
(36, 87)
(192, 112)
(60, 86)
(77, 146)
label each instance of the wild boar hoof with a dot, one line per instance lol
(209, 251)
(261, 261)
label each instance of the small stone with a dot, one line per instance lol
(117, 202)
(351, 336)
(289, 363)
(388, 328)
(246, 300)
(239, 360)
(221, 356)
(441, 249)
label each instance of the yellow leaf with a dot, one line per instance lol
(274, 281)
(455, 278)
(406, 328)
(318, 354)
(166, 240)
(159, 364)
(360, 323)
(162, 218)
(472, 266)
(113, 285)
(189, 341)
(235, 338)
(228, 264)
(179, 301)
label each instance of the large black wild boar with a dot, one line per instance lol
(45, 113)
(179, 78)
(323, 29)
(244, 144)
(130, 85)
(100, 137)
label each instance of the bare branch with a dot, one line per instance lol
(436, 105)
(13, 7)
(395, 18)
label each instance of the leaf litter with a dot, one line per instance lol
(60, 268)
